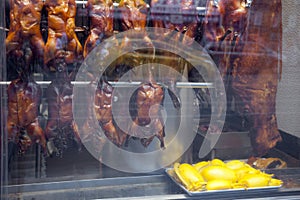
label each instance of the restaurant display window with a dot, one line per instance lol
(167, 99)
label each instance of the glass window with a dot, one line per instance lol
(149, 98)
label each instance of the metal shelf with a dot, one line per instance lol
(130, 84)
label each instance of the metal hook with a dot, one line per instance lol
(216, 3)
(248, 3)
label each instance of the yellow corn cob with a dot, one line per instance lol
(217, 162)
(275, 182)
(200, 165)
(235, 164)
(218, 184)
(218, 172)
(189, 176)
(255, 180)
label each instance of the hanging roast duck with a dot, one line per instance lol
(62, 40)
(24, 39)
(23, 126)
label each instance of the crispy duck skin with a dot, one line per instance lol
(149, 95)
(133, 14)
(187, 22)
(103, 110)
(250, 63)
(90, 133)
(62, 40)
(148, 122)
(24, 40)
(186, 9)
(24, 96)
(101, 23)
(61, 126)
(131, 18)
(225, 23)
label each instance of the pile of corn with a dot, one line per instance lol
(218, 175)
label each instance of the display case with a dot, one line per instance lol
(138, 99)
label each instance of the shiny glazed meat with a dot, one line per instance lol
(133, 14)
(148, 122)
(102, 27)
(249, 59)
(24, 96)
(180, 20)
(61, 127)
(183, 18)
(101, 23)
(256, 75)
(24, 42)
(62, 40)
(90, 133)
(103, 111)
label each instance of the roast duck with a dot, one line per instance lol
(61, 129)
(23, 126)
(103, 108)
(63, 54)
(99, 104)
(147, 121)
(182, 23)
(24, 47)
(145, 102)
(62, 40)
(89, 132)
(24, 42)
(246, 45)
(132, 15)
(147, 118)
(249, 61)
(101, 23)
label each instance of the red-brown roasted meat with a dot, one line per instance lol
(182, 19)
(103, 110)
(149, 96)
(90, 133)
(24, 42)
(62, 40)
(61, 128)
(250, 62)
(148, 122)
(225, 23)
(133, 14)
(101, 28)
(101, 23)
(24, 97)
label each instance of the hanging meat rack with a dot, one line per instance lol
(147, 186)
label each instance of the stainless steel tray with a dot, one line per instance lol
(240, 191)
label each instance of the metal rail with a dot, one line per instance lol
(137, 187)
(130, 84)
